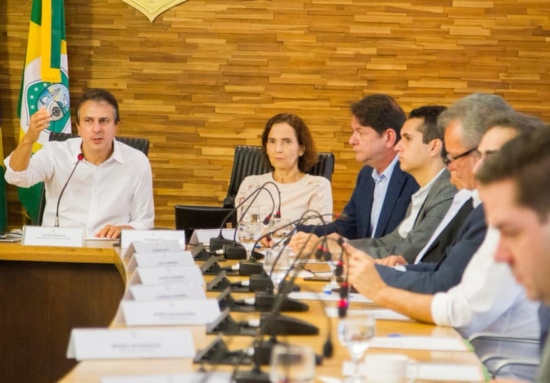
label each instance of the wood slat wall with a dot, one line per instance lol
(207, 74)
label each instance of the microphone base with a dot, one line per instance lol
(265, 302)
(253, 376)
(247, 268)
(218, 243)
(262, 283)
(286, 325)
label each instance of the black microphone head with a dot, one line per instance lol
(266, 219)
(328, 349)
(277, 214)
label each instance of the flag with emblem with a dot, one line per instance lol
(3, 200)
(45, 83)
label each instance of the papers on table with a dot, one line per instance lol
(130, 344)
(442, 372)
(332, 297)
(429, 343)
(196, 377)
(383, 314)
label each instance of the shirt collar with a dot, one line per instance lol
(426, 189)
(387, 172)
(76, 149)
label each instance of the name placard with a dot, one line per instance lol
(168, 246)
(203, 235)
(130, 344)
(163, 275)
(165, 292)
(53, 236)
(177, 312)
(129, 236)
(145, 260)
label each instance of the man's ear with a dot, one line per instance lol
(391, 137)
(436, 146)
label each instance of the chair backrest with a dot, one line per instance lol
(141, 144)
(250, 161)
(189, 218)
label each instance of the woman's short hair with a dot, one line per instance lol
(305, 140)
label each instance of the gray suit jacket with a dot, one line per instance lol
(431, 213)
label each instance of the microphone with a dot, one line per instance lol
(218, 242)
(256, 374)
(79, 158)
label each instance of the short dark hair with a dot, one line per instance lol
(309, 157)
(380, 112)
(519, 122)
(525, 160)
(429, 114)
(98, 95)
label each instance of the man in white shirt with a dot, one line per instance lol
(112, 188)
(487, 299)
(514, 186)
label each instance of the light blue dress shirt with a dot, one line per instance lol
(381, 183)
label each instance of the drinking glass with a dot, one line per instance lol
(276, 264)
(333, 262)
(249, 228)
(355, 332)
(280, 227)
(292, 364)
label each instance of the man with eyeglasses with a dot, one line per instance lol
(487, 299)
(464, 124)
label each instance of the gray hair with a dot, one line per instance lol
(473, 112)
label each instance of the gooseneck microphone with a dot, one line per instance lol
(79, 158)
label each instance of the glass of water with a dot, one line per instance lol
(276, 264)
(249, 228)
(355, 332)
(292, 364)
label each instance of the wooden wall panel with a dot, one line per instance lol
(207, 74)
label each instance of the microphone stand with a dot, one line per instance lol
(256, 375)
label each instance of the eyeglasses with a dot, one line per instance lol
(449, 159)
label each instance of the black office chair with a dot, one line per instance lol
(249, 161)
(141, 144)
(189, 218)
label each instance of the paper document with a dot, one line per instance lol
(430, 343)
(441, 372)
(382, 314)
(332, 297)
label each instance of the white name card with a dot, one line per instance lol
(144, 260)
(129, 236)
(52, 236)
(169, 246)
(177, 312)
(203, 235)
(162, 275)
(165, 292)
(193, 377)
(130, 344)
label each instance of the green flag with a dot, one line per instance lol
(3, 200)
(45, 82)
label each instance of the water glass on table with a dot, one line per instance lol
(355, 332)
(292, 364)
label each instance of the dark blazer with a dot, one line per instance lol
(355, 220)
(430, 278)
(448, 234)
(432, 211)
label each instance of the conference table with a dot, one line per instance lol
(47, 291)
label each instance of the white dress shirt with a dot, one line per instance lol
(417, 200)
(459, 200)
(487, 299)
(117, 192)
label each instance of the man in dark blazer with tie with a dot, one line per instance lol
(376, 125)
